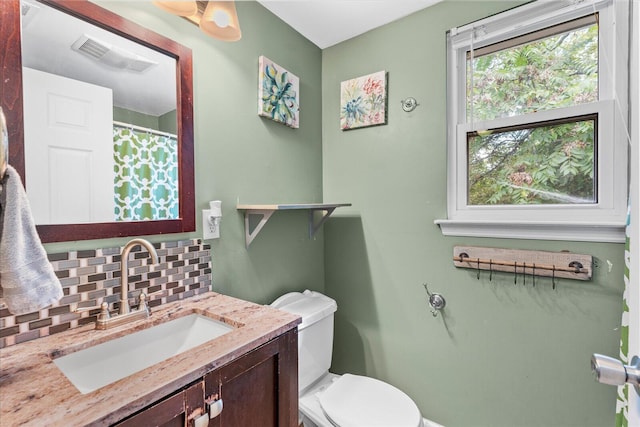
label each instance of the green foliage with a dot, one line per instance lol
(541, 164)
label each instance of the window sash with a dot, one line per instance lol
(532, 126)
(524, 20)
(605, 169)
(471, 99)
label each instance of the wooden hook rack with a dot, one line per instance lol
(538, 263)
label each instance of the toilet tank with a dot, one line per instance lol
(315, 333)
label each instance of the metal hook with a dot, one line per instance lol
(553, 277)
(478, 260)
(490, 269)
(515, 272)
(426, 287)
(436, 301)
(534, 274)
(524, 274)
(409, 104)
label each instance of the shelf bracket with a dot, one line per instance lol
(265, 212)
(250, 234)
(314, 225)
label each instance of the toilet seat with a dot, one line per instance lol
(356, 401)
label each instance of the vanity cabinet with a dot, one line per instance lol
(177, 410)
(259, 388)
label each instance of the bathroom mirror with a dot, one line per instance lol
(132, 52)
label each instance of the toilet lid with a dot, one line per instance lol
(353, 401)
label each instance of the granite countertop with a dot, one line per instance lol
(34, 392)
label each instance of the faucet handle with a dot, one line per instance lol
(143, 303)
(161, 291)
(102, 316)
(84, 309)
(104, 312)
(148, 295)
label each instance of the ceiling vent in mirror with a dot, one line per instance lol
(113, 56)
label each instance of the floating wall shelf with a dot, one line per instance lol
(265, 212)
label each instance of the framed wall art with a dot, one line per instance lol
(278, 93)
(363, 101)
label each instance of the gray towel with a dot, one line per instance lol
(27, 280)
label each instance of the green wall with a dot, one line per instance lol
(135, 118)
(240, 156)
(166, 122)
(501, 354)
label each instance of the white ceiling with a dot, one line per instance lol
(328, 22)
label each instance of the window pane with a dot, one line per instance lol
(546, 164)
(523, 76)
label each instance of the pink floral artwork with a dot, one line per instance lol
(363, 101)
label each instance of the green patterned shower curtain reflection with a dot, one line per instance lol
(146, 174)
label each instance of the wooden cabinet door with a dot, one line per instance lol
(260, 388)
(177, 410)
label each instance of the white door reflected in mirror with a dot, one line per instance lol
(69, 155)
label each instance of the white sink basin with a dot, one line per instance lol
(105, 363)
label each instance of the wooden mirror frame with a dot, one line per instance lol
(12, 104)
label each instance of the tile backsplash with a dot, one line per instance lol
(90, 277)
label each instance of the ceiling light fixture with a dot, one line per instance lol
(180, 8)
(217, 19)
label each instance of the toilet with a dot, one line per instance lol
(330, 400)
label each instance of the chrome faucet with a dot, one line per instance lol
(104, 320)
(124, 270)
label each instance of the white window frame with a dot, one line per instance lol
(603, 221)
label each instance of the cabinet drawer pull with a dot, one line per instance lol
(214, 408)
(201, 421)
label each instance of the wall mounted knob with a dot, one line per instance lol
(409, 104)
(436, 301)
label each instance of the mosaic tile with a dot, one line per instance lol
(90, 277)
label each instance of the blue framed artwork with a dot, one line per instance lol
(278, 93)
